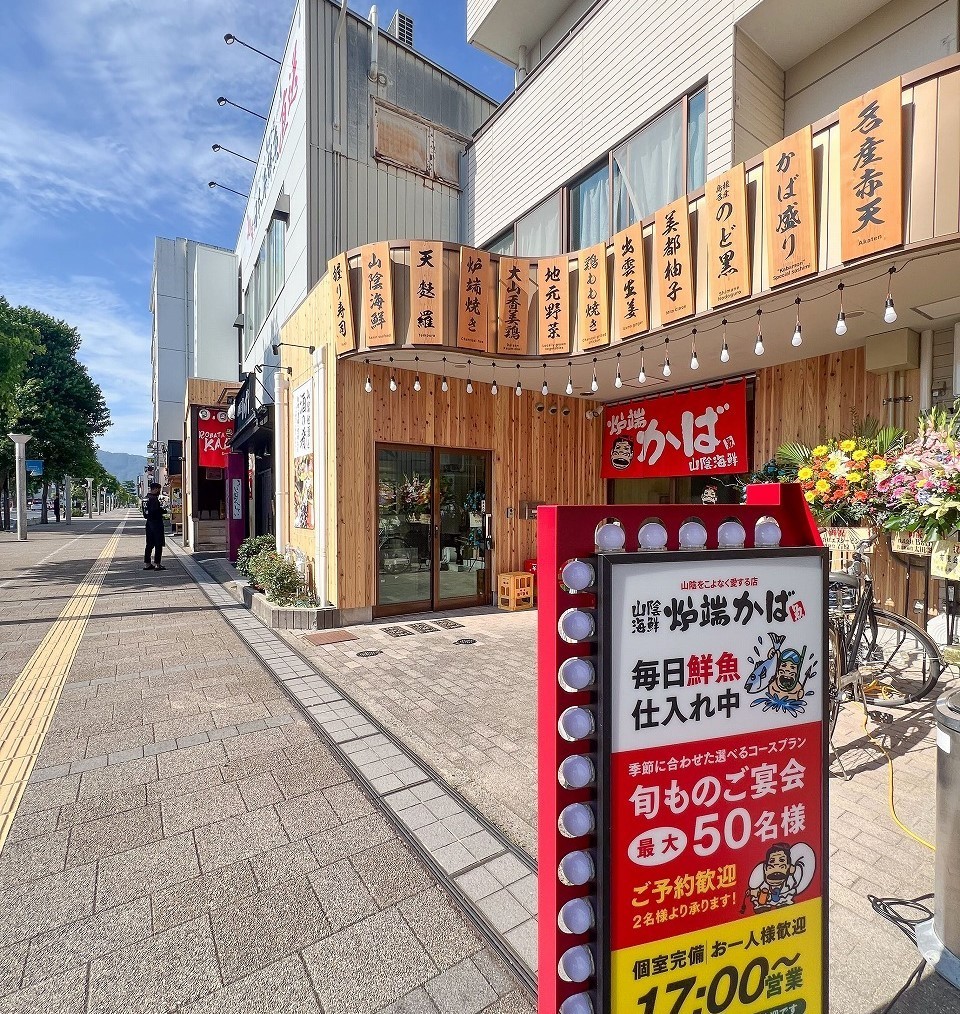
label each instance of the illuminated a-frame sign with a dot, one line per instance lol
(691, 866)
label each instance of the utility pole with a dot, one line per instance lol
(20, 440)
(68, 499)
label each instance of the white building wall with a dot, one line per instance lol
(214, 312)
(630, 60)
(758, 99)
(898, 38)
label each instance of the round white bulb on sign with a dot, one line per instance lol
(692, 535)
(731, 535)
(576, 917)
(766, 534)
(758, 348)
(694, 362)
(576, 820)
(576, 723)
(469, 387)
(569, 387)
(576, 771)
(579, 1003)
(393, 384)
(576, 964)
(642, 375)
(652, 535)
(618, 380)
(576, 674)
(666, 368)
(518, 390)
(416, 384)
(444, 386)
(544, 390)
(576, 625)
(610, 537)
(576, 868)
(577, 575)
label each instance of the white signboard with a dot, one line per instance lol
(303, 420)
(236, 499)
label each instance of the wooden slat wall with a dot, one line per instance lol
(537, 456)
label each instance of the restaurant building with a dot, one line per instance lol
(690, 235)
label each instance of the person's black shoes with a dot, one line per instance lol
(148, 566)
(157, 566)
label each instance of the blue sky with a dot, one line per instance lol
(107, 114)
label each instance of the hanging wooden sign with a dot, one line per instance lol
(790, 219)
(426, 293)
(377, 294)
(673, 260)
(728, 248)
(553, 281)
(593, 310)
(630, 283)
(871, 172)
(513, 330)
(341, 308)
(473, 322)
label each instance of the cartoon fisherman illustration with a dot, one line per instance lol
(785, 871)
(621, 454)
(780, 678)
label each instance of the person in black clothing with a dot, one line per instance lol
(154, 529)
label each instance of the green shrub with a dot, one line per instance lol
(276, 577)
(252, 547)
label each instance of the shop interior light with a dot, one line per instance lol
(393, 379)
(416, 379)
(797, 340)
(766, 534)
(577, 625)
(731, 535)
(493, 387)
(544, 390)
(576, 723)
(576, 964)
(569, 387)
(576, 820)
(576, 868)
(577, 575)
(576, 674)
(642, 376)
(692, 535)
(666, 357)
(576, 917)
(758, 348)
(368, 386)
(694, 361)
(594, 384)
(841, 316)
(724, 348)
(889, 312)
(618, 380)
(652, 535)
(610, 537)
(469, 381)
(444, 386)
(518, 390)
(576, 771)
(579, 1003)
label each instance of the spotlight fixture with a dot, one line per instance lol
(493, 387)
(518, 390)
(544, 390)
(214, 183)
(230, 151)
(416, 379)
(797, 339)
(230, 39)
(758, 348)
(444, 386)
(889, 311)
(569, 387)
(594, 385)
(724, 349)
(666, 357)
(368, 386)
(276, 346)
(642, 377)
(694, 362)
(469, 381)
(222, 100)
(841, 316)
(618, 380)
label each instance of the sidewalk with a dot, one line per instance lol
(187, 841)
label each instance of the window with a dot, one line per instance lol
(503, 244)
(590, 209)
(407, 141)
(266, 281)
(697, 141)
(538, 233)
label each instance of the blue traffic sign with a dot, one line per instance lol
(34, 467)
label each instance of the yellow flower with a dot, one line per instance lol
(810, 496)
(804, 474)
(854, 477)
(847, 445)
(860, 455)
(877, 465)
(830, 465)
(822, 486)
(819, 451)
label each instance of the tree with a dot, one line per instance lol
(58, 402)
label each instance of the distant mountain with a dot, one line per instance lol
(124, 466)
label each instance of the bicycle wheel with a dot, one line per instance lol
(897, 661)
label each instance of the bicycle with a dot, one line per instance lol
(875, 656)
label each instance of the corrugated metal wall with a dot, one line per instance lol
(758, 99)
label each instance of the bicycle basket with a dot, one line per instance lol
(842, 598)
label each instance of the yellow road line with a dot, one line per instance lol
(28, 708)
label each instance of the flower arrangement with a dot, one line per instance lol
(405, 499)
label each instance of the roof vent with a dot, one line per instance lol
(401, 28)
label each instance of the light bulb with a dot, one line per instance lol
(518, 390)
(576, 964)
(577, 575)
(576, 674)
(766, 534)
(576, 868)
(544, 390)
(569, 387)
(576, 820)
(618, 380)
(579, 1003)
(841, 323)
(666, 368)
(444, 386)
(652, 535)
(731, 535)
(643, 375)
(368, 386)
(797, 339)
(416, 383)
(724, 354)
(469, 387)
(758, 348)
(576, 916)
(594, 384)
(692, 535)
(576, 625)
(576, 771)
(610, 537)
(494, 390)
(890, 313)
(575, 724)
(393, 384)
(694, 362)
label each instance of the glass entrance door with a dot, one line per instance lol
(431, 529)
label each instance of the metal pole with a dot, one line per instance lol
(20, 440)
(90, 499)
(68, 499)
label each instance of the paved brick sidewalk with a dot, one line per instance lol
(188, 843)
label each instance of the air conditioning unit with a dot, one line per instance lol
(401, 28)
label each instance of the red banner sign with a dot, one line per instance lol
(213, 438)
(701, 432)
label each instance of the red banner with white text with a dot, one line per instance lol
(701, 432)
(213, 438)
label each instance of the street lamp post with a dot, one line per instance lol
(90, 499)
(68, 499)
(20, 440)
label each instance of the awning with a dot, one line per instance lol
(256, 434)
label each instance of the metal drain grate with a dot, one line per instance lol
(368, 654)
(465, 640)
